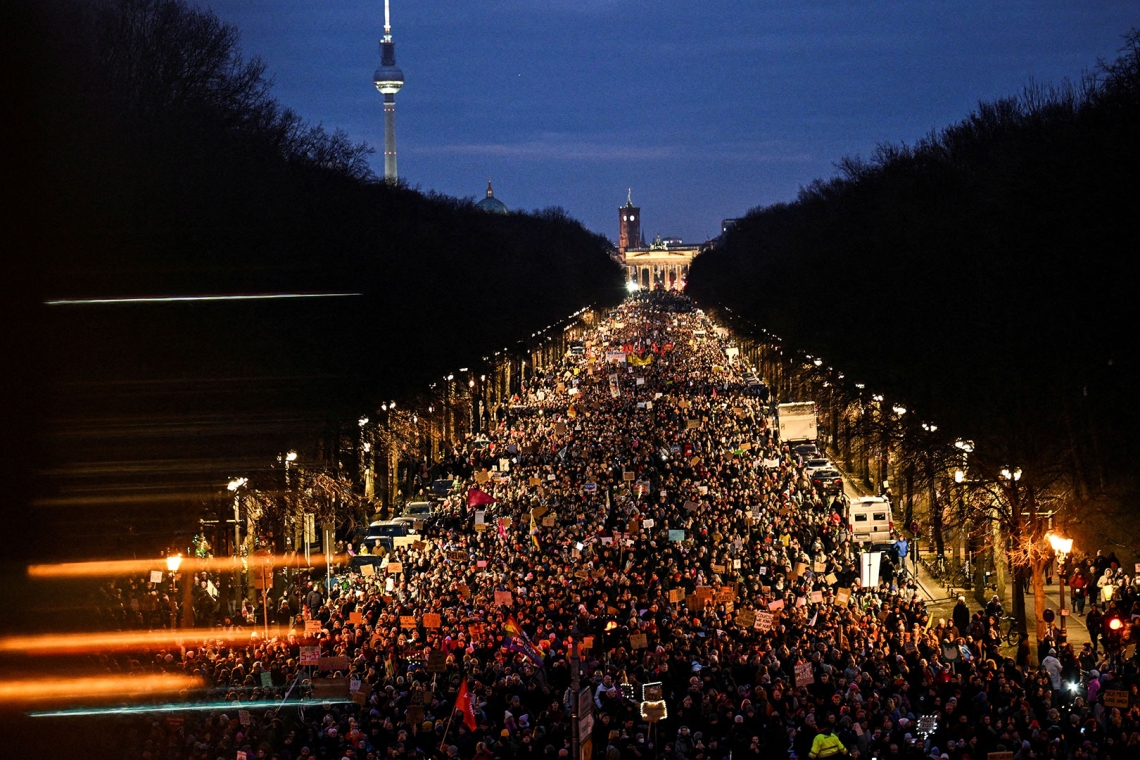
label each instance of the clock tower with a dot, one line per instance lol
(629, 225)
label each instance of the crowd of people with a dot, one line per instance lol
(646, 519)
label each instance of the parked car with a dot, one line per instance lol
(442, 487)
(816, 463)
(827, 481)
(807, 451)
(383, 533)
(417, 511)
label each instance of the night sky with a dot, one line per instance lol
(706, 109)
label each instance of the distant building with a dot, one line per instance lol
(629, 225)
(727, 224)
(662, 265)
(491, 204)
(389, 78)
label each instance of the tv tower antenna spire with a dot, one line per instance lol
(388, 80)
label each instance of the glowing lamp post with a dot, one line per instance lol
(1061, 546)
(173, 562)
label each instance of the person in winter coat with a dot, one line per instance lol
(962, 616)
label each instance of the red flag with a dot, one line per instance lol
(476, 498)
(463, 703)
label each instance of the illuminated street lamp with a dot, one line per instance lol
(1061, 546)
(172, 563)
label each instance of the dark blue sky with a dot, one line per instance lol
(705, 108)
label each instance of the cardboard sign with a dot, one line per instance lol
(432, 620)
(361, 693)
(534, 482)
(647, 524)
(999, 756)
(355, 618)
(437, 661)
(419, 545)
(330, 688)
(1115, 698)
(694, 603)
(626, 476)
(746, 618)
(816, 597)
(266, 679)
(367, 570)
(482, 477)
(718, 569)
(310, 655)
(764, 621)
(832, 579)
(676, 595)
(332, 663)
(312, 626)
(842, 596)
(777, 604)
(504, 598)
(690, 506)
(804, 675)
(395, 567)
(726, 594)
(692, 424)
(457, 556)
(638, 641)
(156, 576)
(407, 621)
(538, 512)
(549, 521)
(676, 535)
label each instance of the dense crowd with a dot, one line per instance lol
(645, 512)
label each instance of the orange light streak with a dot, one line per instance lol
(94, 643)
(95, 687)
(122, 567)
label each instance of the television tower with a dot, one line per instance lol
(389, 79)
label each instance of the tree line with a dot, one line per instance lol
(161, 164)
(978, 280)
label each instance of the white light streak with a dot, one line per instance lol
(176, 299)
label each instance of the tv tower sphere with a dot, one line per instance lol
(388, 80)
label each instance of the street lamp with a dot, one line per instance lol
(233, 487)
(1061, 546)
(172, 563)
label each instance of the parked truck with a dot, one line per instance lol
(796, 421)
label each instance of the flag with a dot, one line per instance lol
(517, 641)
(534, 533)
(477, 498)
(463, 704)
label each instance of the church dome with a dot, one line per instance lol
(491, 204)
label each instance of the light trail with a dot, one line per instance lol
(95, 687)
(123, 567)
(177, 299)
(180, 707)
(108, 641)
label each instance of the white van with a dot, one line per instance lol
(870, 520)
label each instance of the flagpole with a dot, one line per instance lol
(443, 741)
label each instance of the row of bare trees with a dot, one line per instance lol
(987, 504)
